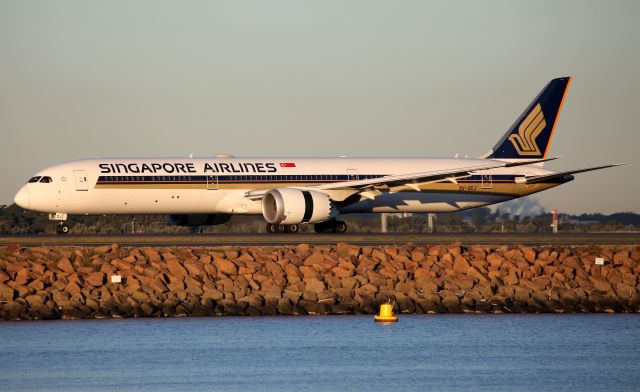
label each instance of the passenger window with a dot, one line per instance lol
(34, 179)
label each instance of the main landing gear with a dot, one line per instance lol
(272, 228)
(332, 226)
(62, 228)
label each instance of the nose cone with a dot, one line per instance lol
(22, 197)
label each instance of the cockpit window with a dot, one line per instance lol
(34, 179)
(46, 179)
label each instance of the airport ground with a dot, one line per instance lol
(263, 239)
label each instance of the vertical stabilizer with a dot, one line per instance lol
(530, 136)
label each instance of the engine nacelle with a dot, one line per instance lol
(289, 206)
(198, 219)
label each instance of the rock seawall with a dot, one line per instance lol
(76, 282)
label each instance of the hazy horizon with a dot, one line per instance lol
(82, 79)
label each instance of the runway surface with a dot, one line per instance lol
(320, 239)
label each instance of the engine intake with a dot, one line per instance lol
(198, 219)
(294, 206)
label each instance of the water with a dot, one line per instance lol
(592, 352)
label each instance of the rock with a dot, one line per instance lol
(366, 264)
(245, 258)
(194, 268)
(350, 282)
(405, 304)
(314, 259)
(293, 296)
(326, 296)
(535, 286)
(376, 279)
(7, 293)
(95, 279)
(102, 249)
(314, 285)
(225, 266)
(121, 265)
(65, 265)
(599, 284)
(451, 302)
(303, 248)
(332, 281)
(251, 301)
(461, 265)
(232, 308)
(477, 275)
(368, 289)
(15, 311)
(495, 260)
(293, 273)
(379, 256)
(22, 277)
(341, 272)
(624, 291)
(73, 288)
(175, 268)
(212, 294)
(193, 286)
(417, 256)
(529, 254)
(511, 279)
(309, 273)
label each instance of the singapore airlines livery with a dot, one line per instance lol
(288, 192)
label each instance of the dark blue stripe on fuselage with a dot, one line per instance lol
(252, 179)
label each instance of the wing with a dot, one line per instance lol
(411, 180)
(547, 177)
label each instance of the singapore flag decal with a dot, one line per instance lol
(287, 164)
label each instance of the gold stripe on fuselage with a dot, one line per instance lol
(507, 188)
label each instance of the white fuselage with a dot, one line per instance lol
(220, 185)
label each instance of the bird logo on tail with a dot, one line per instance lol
(525, 141)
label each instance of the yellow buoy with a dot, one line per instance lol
(386, 314)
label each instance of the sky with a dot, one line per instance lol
(367, 78)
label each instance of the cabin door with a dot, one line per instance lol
(487, 180)
(82, 184)
(212, 182)
(352, 175)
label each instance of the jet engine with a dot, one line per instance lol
(289, 206)
(198, 219)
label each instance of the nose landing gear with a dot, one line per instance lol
(61, 217)
(62, 228)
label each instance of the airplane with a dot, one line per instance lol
(289, 192)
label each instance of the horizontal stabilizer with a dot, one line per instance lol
(560, 175)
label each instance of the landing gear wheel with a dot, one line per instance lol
(330, 227)
(293, 228)
(271, 228)
(340, 227)
(321, 227)
(62, 229)
(281, 228)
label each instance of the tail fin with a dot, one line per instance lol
(530, 136)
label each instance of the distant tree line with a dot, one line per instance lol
(15, 220)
